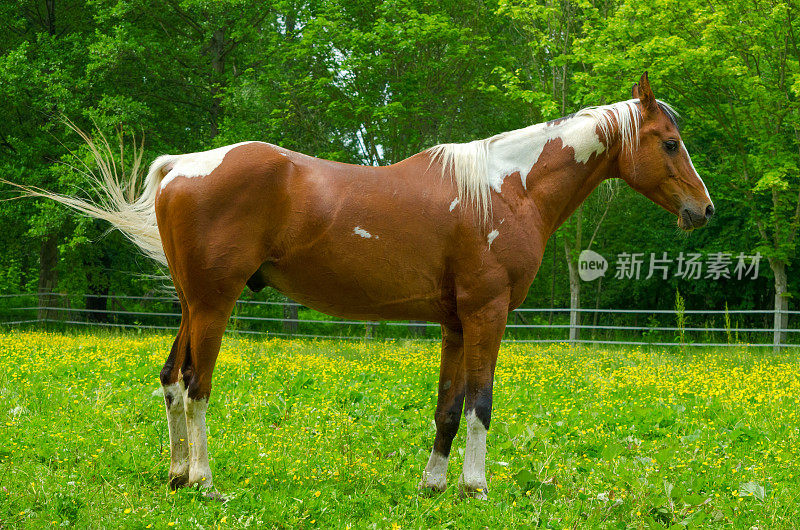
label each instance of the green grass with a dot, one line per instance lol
(336, 434)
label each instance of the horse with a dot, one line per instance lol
(453, 235)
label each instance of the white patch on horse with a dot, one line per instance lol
(363, 233)
(199, 164)
(435, 474)
(474, 476)
(453, 204)
(199, 469)
(482, 165)
(506, 157)
(491, 237)
(178, 437)
(686, 152)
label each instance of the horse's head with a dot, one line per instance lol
(660, 168)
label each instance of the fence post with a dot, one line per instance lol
(417, 327)
(781, 303)
(290, 312)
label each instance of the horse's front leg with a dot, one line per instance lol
(483, 330)
(448, 408)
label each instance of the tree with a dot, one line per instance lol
(733, 68)
(42, 60)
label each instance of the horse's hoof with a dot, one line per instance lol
(430, 489)
(214, 495)
(476, 493)
(178, 481)
(472, 492)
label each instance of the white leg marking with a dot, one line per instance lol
(199, 470)
(435, 474)
(474, 477)
(178, 438)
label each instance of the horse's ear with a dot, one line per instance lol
(635, 91)
(646, 96)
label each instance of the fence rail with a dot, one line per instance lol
(640, 327)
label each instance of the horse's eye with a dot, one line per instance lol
(671, 145)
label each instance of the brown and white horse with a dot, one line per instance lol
(453, 235)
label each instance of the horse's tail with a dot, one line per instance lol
(115, 194)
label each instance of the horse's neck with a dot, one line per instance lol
(558, 194)
(563, 178)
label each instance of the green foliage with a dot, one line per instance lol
(730, 69)
(376, 83)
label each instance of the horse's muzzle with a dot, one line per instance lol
(689, 218)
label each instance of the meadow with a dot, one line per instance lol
(329, 434)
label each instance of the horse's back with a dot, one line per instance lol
(346, 239)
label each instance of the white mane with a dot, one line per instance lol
(481, 165)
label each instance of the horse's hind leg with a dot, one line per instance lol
(207, 325)
(174, 401)
(448, 408)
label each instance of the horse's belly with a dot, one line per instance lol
(369, 285)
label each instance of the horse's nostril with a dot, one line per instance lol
(709, 211)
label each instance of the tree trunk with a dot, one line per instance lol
(97, 303)
(217, 51)
(596, 307)
(781, 303)
(48, 277)
(574, 279)
(574, 298)
(50, 6)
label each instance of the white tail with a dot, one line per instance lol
(115, 194)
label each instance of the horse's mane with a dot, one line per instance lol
(480, 166)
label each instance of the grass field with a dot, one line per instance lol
(334, 434)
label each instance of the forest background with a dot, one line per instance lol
(374, 82)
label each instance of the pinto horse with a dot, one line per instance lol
(453, 235)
